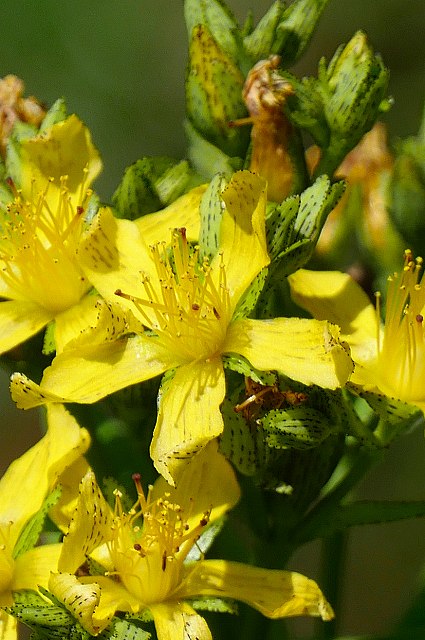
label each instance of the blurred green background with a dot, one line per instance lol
(120, 65)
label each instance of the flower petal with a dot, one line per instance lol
(29, 479)
(114, 254)
(66, 149)
(178, 620)
(183, 212)
(188, 416)
(91, 525)
(335, 296)
(80, 599)
(242, 235)
(8, 627)
(71, 323)
(198, 491)
(306, 350)
(276, 594)
(19, 320)
(34, 567)
(87, 374)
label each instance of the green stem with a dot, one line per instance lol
(355, 464)
(331, 575)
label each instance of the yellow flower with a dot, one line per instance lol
(151, 560)
(389, 358)
(190, 307)
(23, 489)
(40, 279)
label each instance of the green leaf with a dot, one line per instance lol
(32, 530)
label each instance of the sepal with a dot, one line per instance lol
(150, 184)
(56, 113)
(31, 532)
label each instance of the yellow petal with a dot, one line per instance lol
(71, 323)
(19, 320)
(183, 212)
(178, 620)
(33, 568)
(242, 235)
(113, 255)
(90, 526)
(31, 477)
(87, 374)
(306, 350)
(80, 599)
(198, 491)
(188, 416)
(66, 149)
(8, 627)
(62, 512)
(276, 594)
(335, 296)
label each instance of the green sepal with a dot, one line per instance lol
(294, 230)
(260, 43)
(217, 605)
(295, 29)
(239, 364)
(178, 179)
(20, 132)
(56, 113)
(50, 621)
(32, 530)
(242, 445)
(124, 629)
(206, 158)
(150, 184)
(211, 213)
(214, 84)
(295, 428)
(280, 221)
(306, 110)
(49, 344)
(205, 541)
(249, 300)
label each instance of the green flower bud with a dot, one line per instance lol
(353, 87)
(151, 184)
(214, 86)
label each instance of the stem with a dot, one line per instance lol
(331, 574)
(319, 521)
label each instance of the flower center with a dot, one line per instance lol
(150, 544)
(38, 248)
(401, 346)
(187, 304)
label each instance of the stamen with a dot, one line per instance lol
(188, 303)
